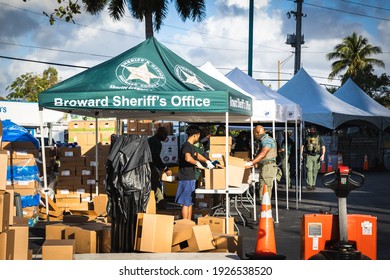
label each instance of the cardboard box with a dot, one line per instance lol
(5, 201)
(7, 241)
(217, 224)
(100, 204)
(232, 243)
(76, 125)
(154, 233)
(220, 140)
(105, 244)
(20, 245)
(216, 178)
(70, 152)
(3, 169)
(58, 249)
(151, 206)
(182, 231)
(201, 239)
(55, 231)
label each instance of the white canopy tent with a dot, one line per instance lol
(352, 94)
(321, 107)
(292, 111)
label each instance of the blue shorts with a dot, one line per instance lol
(185, 192)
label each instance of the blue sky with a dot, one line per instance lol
(220, 39)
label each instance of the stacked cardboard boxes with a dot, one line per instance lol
(13, 235)
(146, 127)
(218, 148)
(23, 177)
(84, 133)
(76, 182)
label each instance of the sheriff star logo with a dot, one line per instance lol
(189, 78)
(140, 73)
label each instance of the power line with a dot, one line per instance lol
(56, 50)
(345, 12)
(366, 5)
(43, 62)
(135, 36)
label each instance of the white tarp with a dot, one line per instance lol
(321, 107)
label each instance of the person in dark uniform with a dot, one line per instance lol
(157, 166)
(313, 151)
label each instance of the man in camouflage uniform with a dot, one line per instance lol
(266, 157)
(313, 150)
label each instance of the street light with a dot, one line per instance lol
(280, 65)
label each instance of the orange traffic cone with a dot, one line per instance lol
(330, 166)
(365, 165)
(265, 243)
(339, 160)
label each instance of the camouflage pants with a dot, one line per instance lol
(267, 176)
(312, 167)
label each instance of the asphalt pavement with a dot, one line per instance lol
(370, 199)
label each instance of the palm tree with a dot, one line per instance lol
(354, 56)
(153, 12)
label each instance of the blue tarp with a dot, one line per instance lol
(15, 133)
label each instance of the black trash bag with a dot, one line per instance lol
(128, 185)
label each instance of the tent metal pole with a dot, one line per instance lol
(253, 172)
(227, 172)
(287, 175)
(45, 188)
(301, 163)
(96, 154)
(296, 163)
(275, 181)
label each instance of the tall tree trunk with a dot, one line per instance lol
(148, 26)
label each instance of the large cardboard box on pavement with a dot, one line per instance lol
(63, 249)
(182, 231)
(7, 241)
(230, 242)
(154, 233)
(21, 242)
(201, 239)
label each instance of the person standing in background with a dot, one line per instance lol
(266, 158)
(157, 166)
(313, 151)
(285, 162)
(189, 159)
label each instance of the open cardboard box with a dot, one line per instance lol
(216, 179)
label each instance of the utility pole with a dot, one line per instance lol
(250, 41)
(297, 64)
(297, 40)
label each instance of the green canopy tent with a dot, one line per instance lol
(148, 81)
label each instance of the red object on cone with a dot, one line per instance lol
(365, 165)
(265, 243)
(330, 166)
